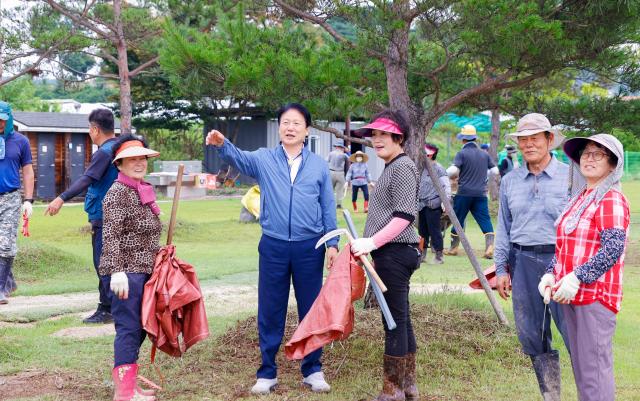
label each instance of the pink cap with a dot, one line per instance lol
(382, 124)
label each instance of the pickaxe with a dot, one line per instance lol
(343, 231)
(376, 283)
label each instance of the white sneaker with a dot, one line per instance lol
(317, 383)
(264, 386)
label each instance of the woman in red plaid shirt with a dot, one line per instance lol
(586, 272)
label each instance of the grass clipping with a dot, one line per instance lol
(453, 344)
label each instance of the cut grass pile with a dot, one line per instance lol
(456, 346)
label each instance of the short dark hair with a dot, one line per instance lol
(299, 108)
(103, 119)
(398, 117)
(611, 158)
(126, 138)
(434, 148)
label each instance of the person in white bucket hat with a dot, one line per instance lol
(531, 199)
(586, 272)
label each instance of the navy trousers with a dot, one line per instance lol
(354, 192)
(429, 227)
(96, 244)
(479, 208)
(280, 262)
(127, 317)
(526, 269)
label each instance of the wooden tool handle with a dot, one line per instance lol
(174, 208)
(547, 295)
(373, 273)
(369, 267)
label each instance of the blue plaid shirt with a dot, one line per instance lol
(529, 206)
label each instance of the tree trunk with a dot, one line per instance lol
(494, 179)
(123, 70)
(396, 66)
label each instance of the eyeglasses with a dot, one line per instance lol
(595, 155)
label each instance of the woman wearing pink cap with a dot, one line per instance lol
(393, 243)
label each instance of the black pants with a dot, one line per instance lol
(395, 263)
(96, 244)
(429, 227)
(354, 192)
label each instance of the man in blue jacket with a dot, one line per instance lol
(15, 155)
(96, 180)
(296, 208)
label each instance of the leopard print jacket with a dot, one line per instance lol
(130, 233)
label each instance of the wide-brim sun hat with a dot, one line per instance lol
(573, 146)
(365, 157)
(4, 116)
(534, 123)
(381, 124)
(134, 149)
(467, 133)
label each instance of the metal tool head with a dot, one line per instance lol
(331, 234)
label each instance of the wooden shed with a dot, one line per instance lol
(60, 147)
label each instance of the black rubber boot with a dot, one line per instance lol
(547, 368)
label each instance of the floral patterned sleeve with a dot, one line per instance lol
(612, 242)
(552, 264)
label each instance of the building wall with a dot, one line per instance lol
(61, 159)
(251, 135)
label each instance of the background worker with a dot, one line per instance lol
(471, 164)
(430, 206)
(96, 180)
(359, 178)
(337, 160)
(15, 156)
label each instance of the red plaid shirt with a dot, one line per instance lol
(575, 249)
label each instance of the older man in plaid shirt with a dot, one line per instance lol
(531, 199)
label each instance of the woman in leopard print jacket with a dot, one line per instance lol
(131, 234)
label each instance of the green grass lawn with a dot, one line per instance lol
(57, 259)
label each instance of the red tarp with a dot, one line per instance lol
(490, 274)
(173, 304)
(331, 316)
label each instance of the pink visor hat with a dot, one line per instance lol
(382, 124)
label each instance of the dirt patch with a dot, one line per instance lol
(33, 383)
(83, 332)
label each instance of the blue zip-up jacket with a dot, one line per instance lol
(291, 212)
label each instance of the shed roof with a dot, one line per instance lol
(37, 121)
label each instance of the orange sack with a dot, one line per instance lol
(172, 304)
(331, 316)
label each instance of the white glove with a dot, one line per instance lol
(120, 284)
(346, 185)
(566, 288)
(27, 208)
(547, 280)
(363, 246)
